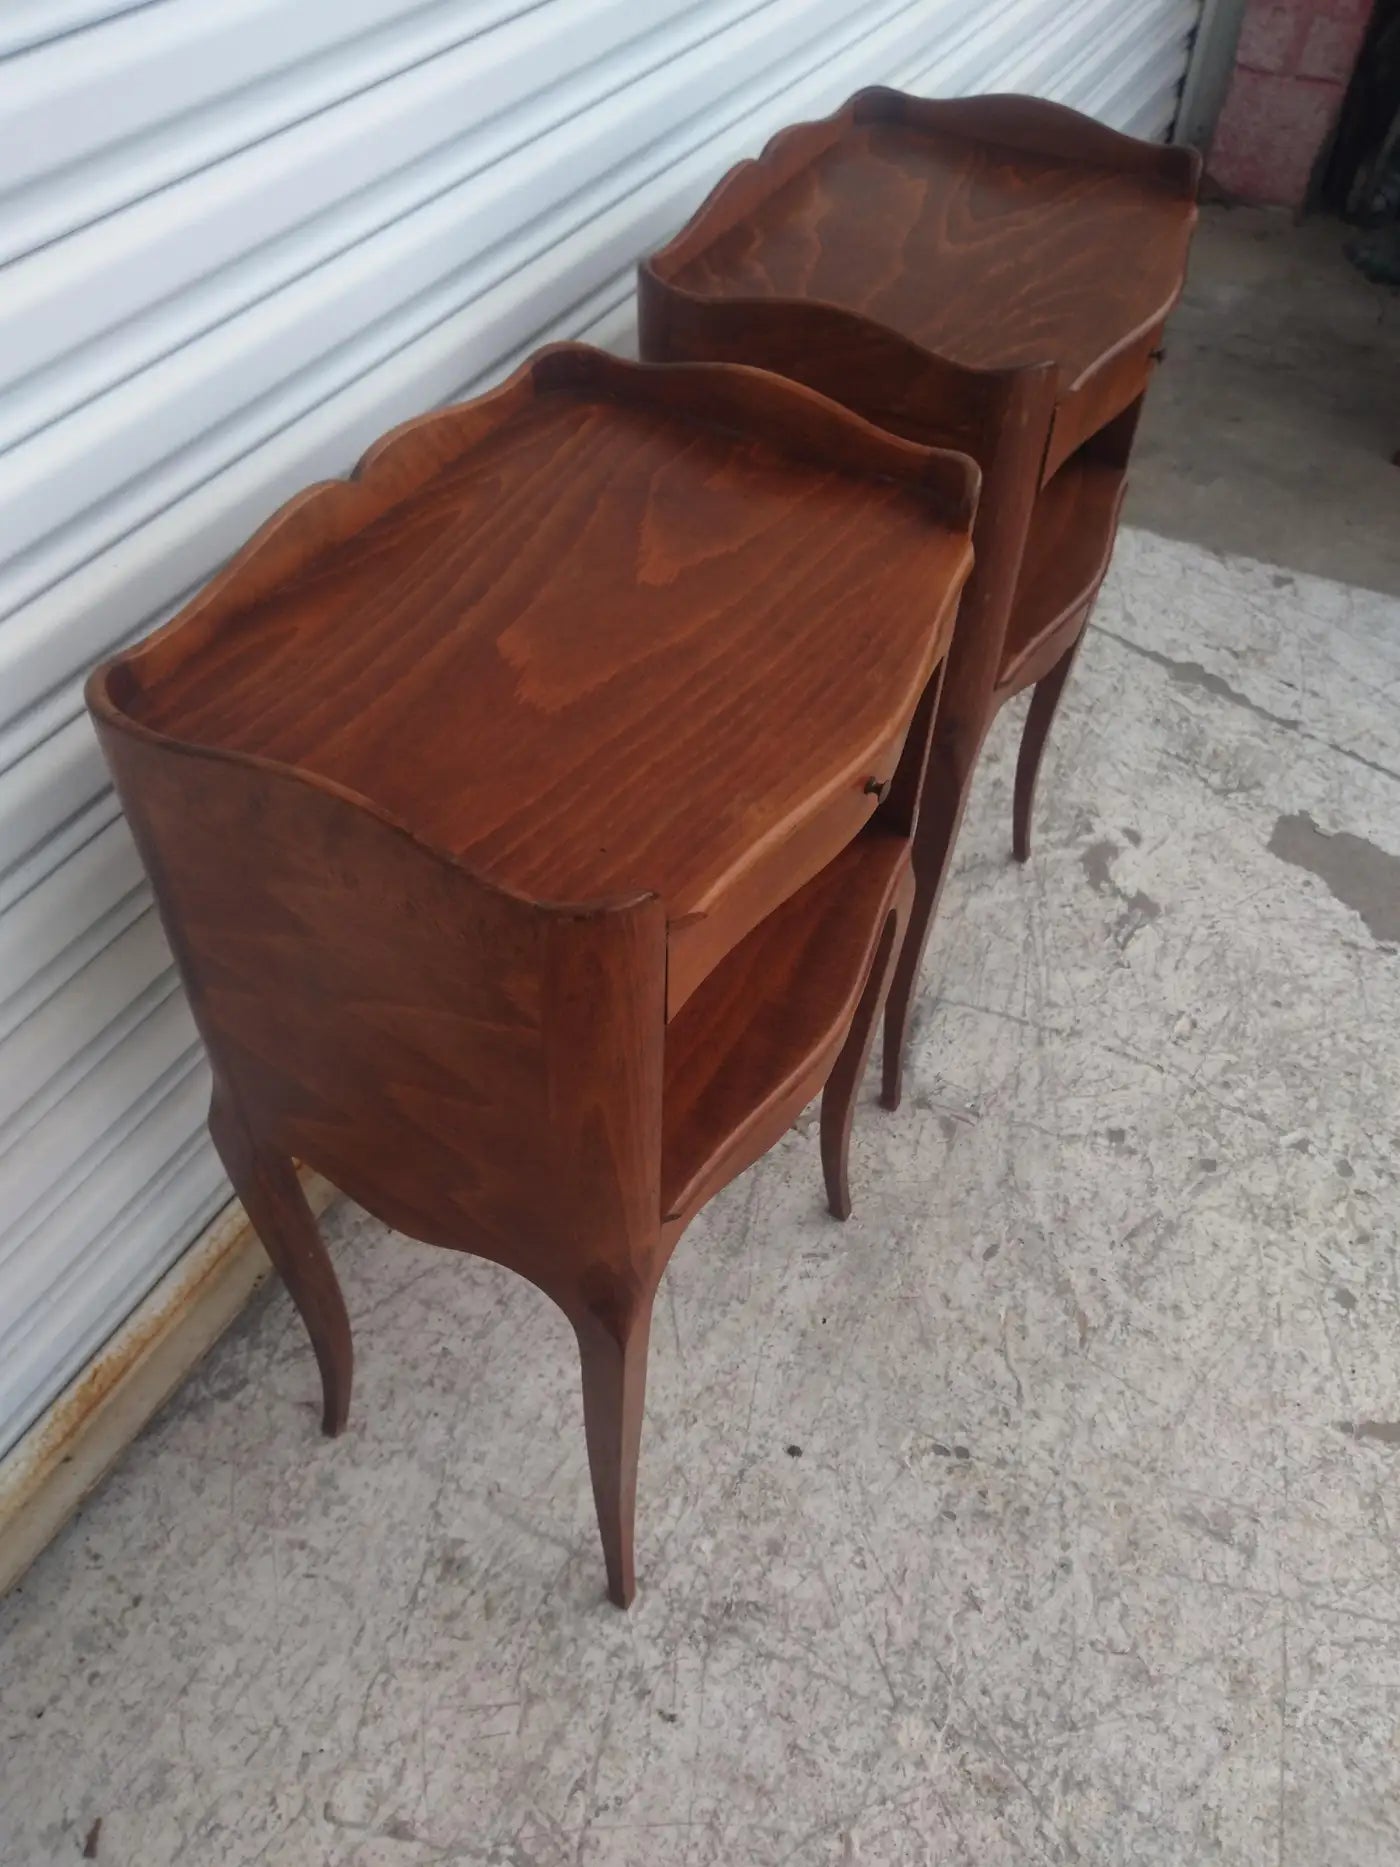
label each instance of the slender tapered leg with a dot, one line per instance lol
(267, 1185)
(900, 1001)
(839, 1096)
(933, 851)
(1039, 718)
(613, 1351)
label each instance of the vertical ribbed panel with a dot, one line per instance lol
(241, 239)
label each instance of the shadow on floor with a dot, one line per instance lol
(1271, 429)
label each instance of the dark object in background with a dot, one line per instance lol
(1377, 254)
(1362, 178)
(1361, 181)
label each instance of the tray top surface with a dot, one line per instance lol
(992, 258)
(608, 649)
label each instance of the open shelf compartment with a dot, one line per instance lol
(1067, 551)
(755, 1041)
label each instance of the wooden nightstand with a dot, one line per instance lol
(530, 816)
(990, 274)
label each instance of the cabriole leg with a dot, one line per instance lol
(938, 831)
(1040, 716)
(267, 1185)
(843, 1084)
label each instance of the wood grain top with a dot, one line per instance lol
(610, 646)
(995, 232)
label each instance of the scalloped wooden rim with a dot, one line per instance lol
(1185, 161)
(530, 377)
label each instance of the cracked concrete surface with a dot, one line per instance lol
(1045, 1513)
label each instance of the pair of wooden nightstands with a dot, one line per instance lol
(540, 817)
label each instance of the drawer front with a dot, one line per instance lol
(696, 943)
(1106, 393)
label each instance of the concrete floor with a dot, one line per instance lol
(1272, 429)
(1044, 1513)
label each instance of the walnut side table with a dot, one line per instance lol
(530, 817)
(990, 274)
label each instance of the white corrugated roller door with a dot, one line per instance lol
(239, 239)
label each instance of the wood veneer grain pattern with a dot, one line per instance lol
(989, 257)
(752, 638)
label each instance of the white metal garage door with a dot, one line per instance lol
(238, 239)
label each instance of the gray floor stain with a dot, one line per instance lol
(1216, 1525)
(1139, 909)
(1097, 863)
(1193, 674)
(1386, 1431)
(1358, 872)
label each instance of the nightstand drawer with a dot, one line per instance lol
(697, 942)
(1104, 393)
